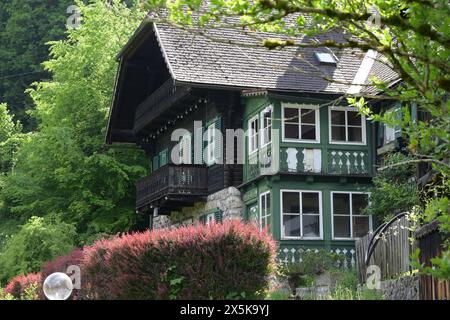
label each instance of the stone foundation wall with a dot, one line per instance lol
(228, 200)
(404, 288)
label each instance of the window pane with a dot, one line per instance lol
(291, 131)
(354, 134)
(341, 203)
(267, 135)
(254, 125)
(291, 114)
(338, 133)
(311, 226)
(308, 116)
(338, 117)
(353, 118)
(291, 225)
(341, 227)
(267, 204)
(291, 202)
(360, 226)
(263, 223)
(310, 202)
(308, 132)
(263, 206)
(359, 202)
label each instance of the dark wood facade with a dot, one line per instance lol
(180, 111)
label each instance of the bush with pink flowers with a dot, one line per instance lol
(19, 285)
(60, 264)
(217, 261)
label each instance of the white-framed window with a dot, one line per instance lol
(348, 220)
(301, 123)
(211, 144)
(347, 126)
(264, 210)
(184, 149)
(253, 128)
(266, 126)
(301, 214)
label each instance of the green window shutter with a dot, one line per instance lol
(163, 157)
(155, 163)
(380, 133)
(198, 156)
(218, 215)
(218, 143)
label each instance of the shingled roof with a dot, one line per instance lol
(233, 57)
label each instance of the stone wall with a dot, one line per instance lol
(404, 288)
(228, 200)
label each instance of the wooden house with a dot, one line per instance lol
(304, 164)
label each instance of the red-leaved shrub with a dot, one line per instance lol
(216, 261)
(17, 285)
(60, 264)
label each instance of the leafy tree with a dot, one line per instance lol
(395, 190)
(25, 28)
(10, 140)
(38, 241)
(63, 168)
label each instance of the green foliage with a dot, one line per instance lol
(395, 189)
(344, 293)
(25, 28)
(10, 140)
(347, 289)
(301, 274)
(63, 168)
(5, 296)
(38, 241)
(31, 293)
(440, 265)
(315, 263)
(278, 295)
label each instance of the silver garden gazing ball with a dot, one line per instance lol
(58, 286)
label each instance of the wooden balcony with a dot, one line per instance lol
(172, 187)
(155, 105)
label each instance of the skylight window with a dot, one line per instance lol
(326, 58)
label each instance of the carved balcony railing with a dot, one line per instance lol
(354, 162)
(182, 181)
(326, 161)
